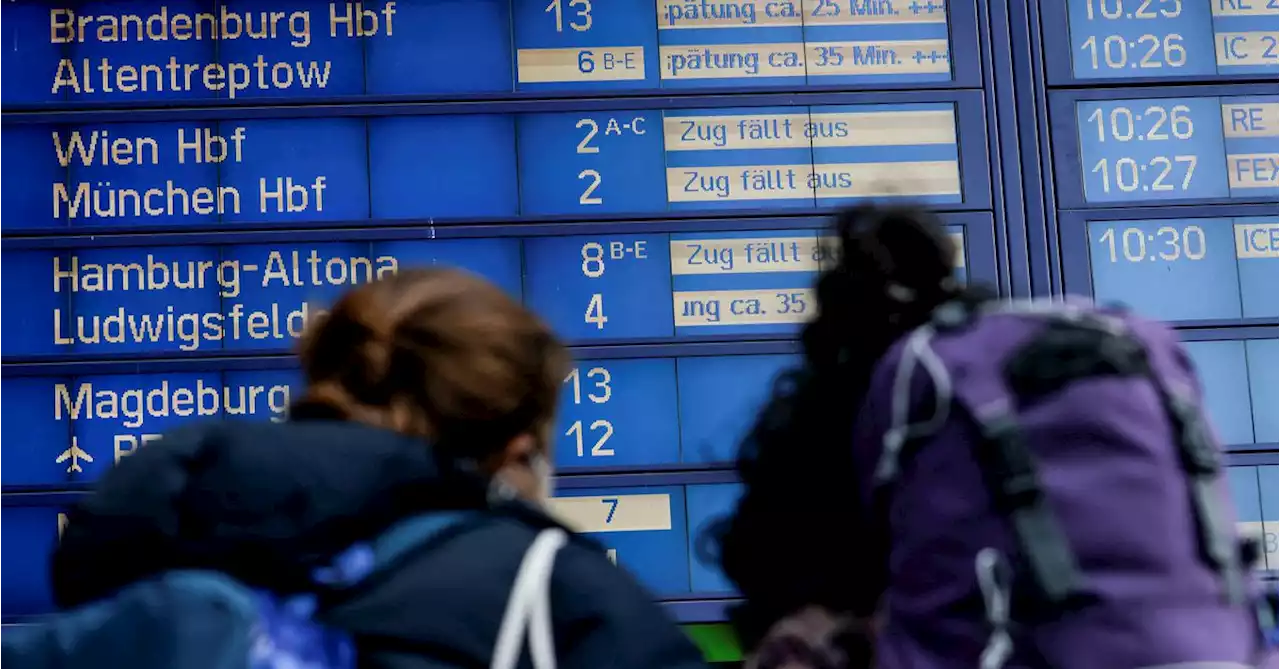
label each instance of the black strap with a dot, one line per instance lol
(1199, 460)
(1009, 471)
(1090, 346)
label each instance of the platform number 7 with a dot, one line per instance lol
(613, 506)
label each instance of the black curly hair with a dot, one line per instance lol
(794, 538)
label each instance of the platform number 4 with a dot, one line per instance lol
(595, 311)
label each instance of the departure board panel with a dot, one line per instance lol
(189, 184)
(1254, 493)
(1239, 379)
(100, 52)
(653, 531)
(1207, 270)
(230, 173)
(628, 413)
(1105, 41)
(30, 534)
(201, 298)
(1155, 150)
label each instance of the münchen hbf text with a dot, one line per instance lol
(101, 199)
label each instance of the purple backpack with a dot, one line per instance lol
(1049, 494)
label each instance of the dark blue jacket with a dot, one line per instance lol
(268, 502)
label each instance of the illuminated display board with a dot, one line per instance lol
(233, 172)
(654, 531)
(1102, 41)
(193, 299)
(1254, 491)
(616, 413)
(1178, 269)
(166, 238)
(1115, 147)
(99, 53)
(645, 529)
(1239, 379)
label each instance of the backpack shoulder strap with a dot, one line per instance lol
(366, 558)
(1199, 459)
(1007, 464)
(1011, 477)
(528, 612)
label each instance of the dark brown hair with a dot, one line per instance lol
(438, 354)
(795, 538)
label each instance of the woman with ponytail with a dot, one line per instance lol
(428, 394)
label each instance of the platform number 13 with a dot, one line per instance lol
(579, 14)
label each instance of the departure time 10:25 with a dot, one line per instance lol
(1132, 9)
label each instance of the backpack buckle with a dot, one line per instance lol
(951, 316)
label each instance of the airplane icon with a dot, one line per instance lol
(75, 454)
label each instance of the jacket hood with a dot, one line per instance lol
(265, 502)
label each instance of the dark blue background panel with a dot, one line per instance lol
(1126, 41)
(644, 529)
(1187, 265)
(29, 534)
(1125, 147)
(1253, 492)
(659, 533)
(198, 299)
(282, 171)
(616, 413)
(103, 53)
(1239, 380)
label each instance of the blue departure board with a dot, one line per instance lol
(628, 413)
(201, 298)
(232, 173)
(1101, 41)
(190, 183)
(1239, 380)
(1154, 150)
(101, 52)
(29, 534)
(1215, 269)
(653, 531)
(1188, 269)
(1253, 492)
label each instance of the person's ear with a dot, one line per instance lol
(521, 450)
(517, 453)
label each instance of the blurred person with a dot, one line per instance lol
(426, 393)
(951, 481)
